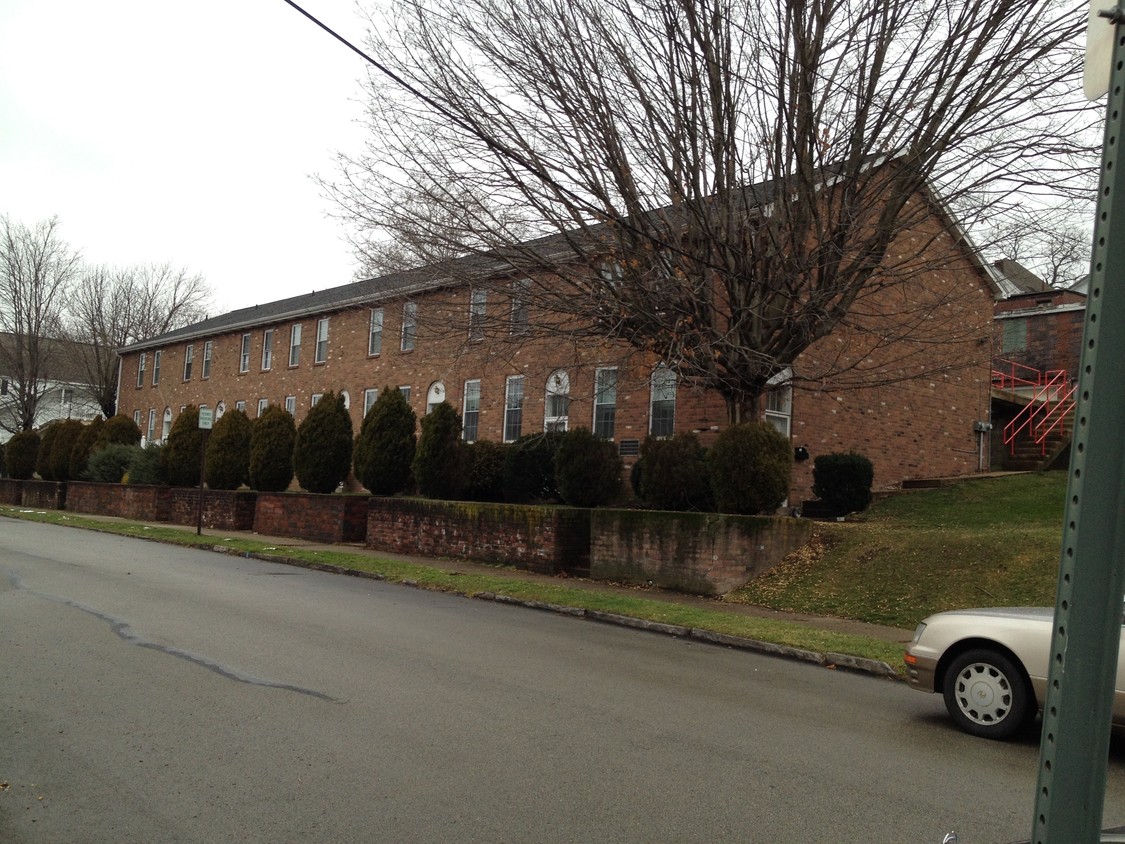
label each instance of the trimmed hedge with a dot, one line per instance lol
(384, 449)
(21, 454)
(843, 481)
(673, 474)
(587, 469)
(180, 455)
(439, 460)
(228, 452)
(322, 453)
(750, 466)
(529, 468)
(272, 436)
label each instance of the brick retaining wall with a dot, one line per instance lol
(223, 509)
(701, 553)
(11, 491)
(44, 495)
(127, 501)
(320, 518)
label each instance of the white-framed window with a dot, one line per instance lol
(375, 332)
(556, 408)
(405, 390)
(244, 354)
(156, 366)
(316, 397)
(478, 302)
(267, 349)
(220, 409)
(779, 401)
(295, 345)
(205, 371)
(347, 398)
(137, 418)
(67, 397)
(240, 405)
(605, 401)
(291, 405)
(141, 371)
(262, 405)
(513, 408)
(470, 413)
(370, 396)
(166, 426)
(662, 402)
(321, 354)
(520, 299)
(409, 325)
(151, 424)
(189, 357)
(434, 396)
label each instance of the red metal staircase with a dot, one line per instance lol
(1042, 428)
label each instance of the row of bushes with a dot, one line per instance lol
(747, 469)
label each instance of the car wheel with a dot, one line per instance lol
(986, 694)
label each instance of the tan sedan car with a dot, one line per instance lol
(990, 665)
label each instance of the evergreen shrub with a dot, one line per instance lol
(272, 436)
(84, 446)
(21, 454)
(529, 468)
(228, 452)
(69, 430)
(118, 429)
(750, 466)
(180, 455)
(46, 446)
(384, 449)
(110, 465)
(843, 481)
(145, 465)
(587, 469)
(484, 470)
(322, 453)
(674, 474)
(439, 459)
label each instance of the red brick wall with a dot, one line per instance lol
(45, 495)
(920, 426)
(320, 518)
(543, 539)
(1054, 341)
(222, 509)
(11, 491)
(699, 553)
(127, 501)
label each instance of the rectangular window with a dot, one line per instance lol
(137, 418)
(605, 402)
(409, 325)
(321, 354)
(262, 405)
(141, 371)
(513, 408)
(662, 406)
(470, 416)
(291, 405)
(375, 332)
(244, 354)
(206, 370)
(240, 405)
(519, 305)
(156, 366)
(405, 393)
(316, 397)
(370, 396)
(295, 345)
(189, 356)
(267, 349)
(477, 305)
(151, 424)
(67, 395)
(1015, 335)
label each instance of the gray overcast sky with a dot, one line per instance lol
(184, 132)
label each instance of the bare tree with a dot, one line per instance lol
(111, 308)
(722, 182)
(37, 269)
(1051, 242)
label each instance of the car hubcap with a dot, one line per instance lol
(984, 694)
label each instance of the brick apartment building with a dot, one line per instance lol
(461, 333)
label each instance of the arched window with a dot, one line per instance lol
(662, 404)
(556, 410)
(347, 399)
(166, 428)
(435, 396)
(779, 401)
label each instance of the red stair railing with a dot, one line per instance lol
(1050, 401)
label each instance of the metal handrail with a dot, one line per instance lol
(1047, 409)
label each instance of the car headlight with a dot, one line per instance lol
(918, 632)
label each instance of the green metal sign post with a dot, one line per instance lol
(1070, 796)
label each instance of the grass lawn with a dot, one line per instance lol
(986, 542)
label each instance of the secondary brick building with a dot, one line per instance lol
(460, 333)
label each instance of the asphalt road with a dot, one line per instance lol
(152, 694)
